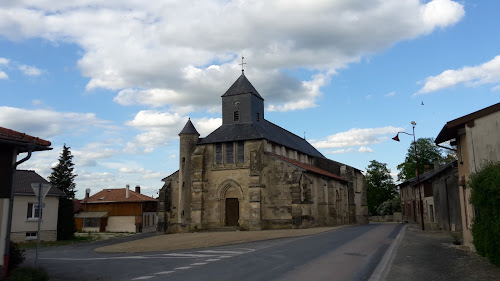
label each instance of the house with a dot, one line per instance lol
(253, 174)
(117, 210)
(476, 138)
(25, 214)
(12, 143)
(440, 199)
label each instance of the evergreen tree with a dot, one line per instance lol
(427, 153)
(379, 185)
(62, 177)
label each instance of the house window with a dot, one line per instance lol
(236, 116)
(229, 152)
(218, 153)
(33, 211)
(241, 151)
(31, 235)
(91, 222)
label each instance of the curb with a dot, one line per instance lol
(383, 268)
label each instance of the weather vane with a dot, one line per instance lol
(242, 64)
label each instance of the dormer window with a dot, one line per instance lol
(236, 116)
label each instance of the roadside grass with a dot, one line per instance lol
(74, 240)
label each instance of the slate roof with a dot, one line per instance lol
(450, 129)
(308, 168)
(118, 195)
(261, 130)
(428, 175)
(20, 140)
(241, 86)
(189, 129)
(23, 180)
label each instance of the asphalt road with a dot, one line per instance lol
(350, 253)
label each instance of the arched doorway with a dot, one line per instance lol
(230, 195)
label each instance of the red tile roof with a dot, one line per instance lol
(309, 168)
(118, 195)
(11, 135)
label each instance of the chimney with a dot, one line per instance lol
(127, 192)
(87, 193)
(137, 189)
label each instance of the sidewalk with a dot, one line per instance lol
(430, 255)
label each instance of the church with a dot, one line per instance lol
(251, 174)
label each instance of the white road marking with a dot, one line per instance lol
(183, 267)
(222, 252)
(164, 272)
(182, 255)
(213, 260)
(143, 278)
(199, 263)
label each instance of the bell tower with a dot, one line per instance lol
(242, 103)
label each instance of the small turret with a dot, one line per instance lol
(188, 139)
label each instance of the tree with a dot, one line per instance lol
(379, 185)
(62, 177)
(427, 153)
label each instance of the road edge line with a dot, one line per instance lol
(385, 264)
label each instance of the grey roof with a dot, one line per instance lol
(241, 86)
(261, 130)
(23, 180)
(189, 129)
(429, 175)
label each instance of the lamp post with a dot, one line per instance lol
(421, 204)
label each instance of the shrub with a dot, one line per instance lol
(485, 196)
(28, 274)
(17, 256)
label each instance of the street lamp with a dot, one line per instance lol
(396, 138)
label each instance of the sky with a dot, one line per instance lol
(117, 80)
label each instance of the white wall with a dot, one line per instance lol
(121, 224)
(20, 223)
(483, 141)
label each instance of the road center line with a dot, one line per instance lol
(164, 272)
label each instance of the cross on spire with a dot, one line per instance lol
(242, 64)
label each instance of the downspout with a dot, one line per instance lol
(11, 206)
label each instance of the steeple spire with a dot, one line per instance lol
(189, 129)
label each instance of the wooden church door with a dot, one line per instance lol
(232, 211)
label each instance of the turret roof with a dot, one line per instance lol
(189, 129)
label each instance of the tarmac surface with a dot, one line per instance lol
(431, 255)
(416, 254)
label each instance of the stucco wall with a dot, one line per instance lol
(121, 224)
(20, 223)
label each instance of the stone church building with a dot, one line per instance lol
(252, 174)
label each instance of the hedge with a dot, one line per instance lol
(485, 196)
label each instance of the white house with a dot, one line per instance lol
(25, 212)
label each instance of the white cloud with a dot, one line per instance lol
(30, 70)
(48, 124)
(3, 75)
(357, 137)
(4, 61)
(488, 72)
(365, 149)
(391, 94)
(182, 54)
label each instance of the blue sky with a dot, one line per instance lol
(117, 81)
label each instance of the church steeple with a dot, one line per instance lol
(241, 103)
